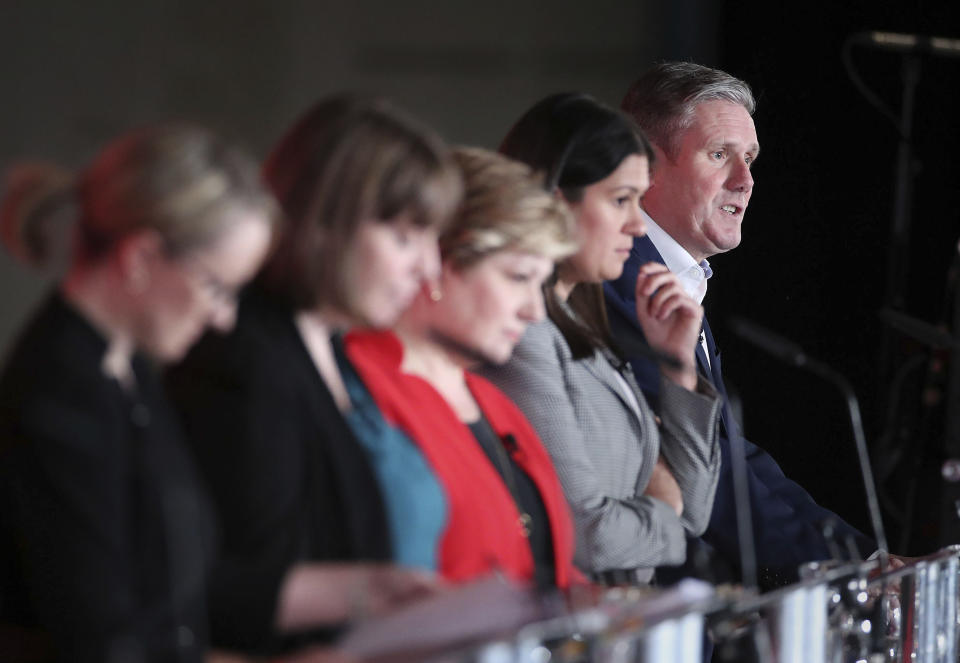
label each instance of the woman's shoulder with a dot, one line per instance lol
(540, 363)
(260, 364)
(263, 340)
(52, 389)
(56, 353)
(542, 340)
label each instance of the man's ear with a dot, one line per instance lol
(659, 158)
(136, 257)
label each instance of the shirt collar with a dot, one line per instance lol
(693, 275)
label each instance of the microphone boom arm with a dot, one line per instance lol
(792, 354)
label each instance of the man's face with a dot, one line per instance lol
(700, 197)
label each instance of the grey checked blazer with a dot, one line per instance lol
(604, 453)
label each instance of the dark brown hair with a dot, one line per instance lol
(576, 141)
(348, 161)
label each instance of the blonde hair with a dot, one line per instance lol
(348, 161)
(504, 207)
(179, 181)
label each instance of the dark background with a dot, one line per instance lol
(813, 261)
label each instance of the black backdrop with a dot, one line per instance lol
(813, 259)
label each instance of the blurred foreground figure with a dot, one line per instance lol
(105, 535)
(302, 467)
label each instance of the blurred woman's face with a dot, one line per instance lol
(384, 268)
(485, 308)
(189, 293)
(608, 218)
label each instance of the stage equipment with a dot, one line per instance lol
(792, 354)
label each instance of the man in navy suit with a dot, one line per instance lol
(699, 121)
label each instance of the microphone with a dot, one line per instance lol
(792, 354)
(903, 43)
(919, 330)
(741, 501)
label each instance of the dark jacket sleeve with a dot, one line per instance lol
(236, 416)
(66, 499)
(289, 483)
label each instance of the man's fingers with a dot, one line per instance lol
(648, 284)
(652, 268)
(669, 300)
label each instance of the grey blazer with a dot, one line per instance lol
(604, 450)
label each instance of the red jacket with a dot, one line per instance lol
(483, 532)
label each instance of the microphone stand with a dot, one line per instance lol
(950, 503)
(792, 354)
(905, 172)
(741, 500)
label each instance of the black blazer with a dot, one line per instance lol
(104, 534)
(289, 481)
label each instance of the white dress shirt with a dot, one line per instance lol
(693, 275)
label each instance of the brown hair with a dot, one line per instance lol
(179, 181)
(349, 160)
(504, 207)
(577, 141)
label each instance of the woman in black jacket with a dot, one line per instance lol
(301, 465)
(105, 535)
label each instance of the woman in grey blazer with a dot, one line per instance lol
(637, 482)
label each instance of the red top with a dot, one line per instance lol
(483, 532)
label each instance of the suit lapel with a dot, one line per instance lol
(705, 366)
(727, 422)
(713, 370)
(604, 373)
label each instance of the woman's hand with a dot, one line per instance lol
(383, 588)
(671, 320)
(316, 594)
(664, 486)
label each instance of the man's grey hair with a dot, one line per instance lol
(663, 100)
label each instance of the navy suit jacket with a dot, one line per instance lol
(787, 522)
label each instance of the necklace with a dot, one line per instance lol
(525, 520)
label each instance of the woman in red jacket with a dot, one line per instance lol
(507, 510)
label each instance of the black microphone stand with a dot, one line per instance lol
(791, 353)
(741, 499)
(901, 217)
(950, 502)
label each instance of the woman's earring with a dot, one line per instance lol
(436, 294)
